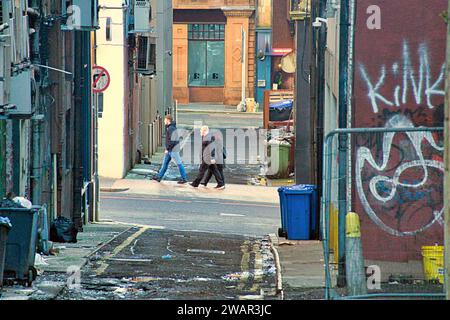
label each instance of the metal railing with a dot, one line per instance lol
(394, 175)
(155, 133)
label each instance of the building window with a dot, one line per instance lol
(207, 32)
(206, 55)
(108, 29)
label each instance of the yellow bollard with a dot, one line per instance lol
(352, 225)
(354, 261)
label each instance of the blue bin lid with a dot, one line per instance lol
(4, 222)
(282, 105)
(298, 189)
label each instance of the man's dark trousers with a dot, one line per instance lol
(208, 168)
(219, 168)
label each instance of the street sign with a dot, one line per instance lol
(100, 79)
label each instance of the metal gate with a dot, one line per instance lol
(394, 182)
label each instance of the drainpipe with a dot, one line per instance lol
(78, 108)
(36, 173)
(320, 42)
(343, 143)
(87, 123)
(2, 158)
(54, 213)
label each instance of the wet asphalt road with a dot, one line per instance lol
(144, 263)
(209, 215)
(209, 249)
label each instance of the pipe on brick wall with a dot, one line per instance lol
(343, 141)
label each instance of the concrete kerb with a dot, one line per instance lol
(273, 240)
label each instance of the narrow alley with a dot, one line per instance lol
(254, 153)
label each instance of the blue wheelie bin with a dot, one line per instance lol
(298, 206)
(21, 244)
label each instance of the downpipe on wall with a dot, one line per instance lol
(344, 30)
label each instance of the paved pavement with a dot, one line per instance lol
(217, 117)
(245, 193)
(302, 268)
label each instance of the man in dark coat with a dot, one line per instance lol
(207, 160)
(218, 162)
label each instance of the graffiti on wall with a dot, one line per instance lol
(399, 175)
(387, 184)
(419, 80)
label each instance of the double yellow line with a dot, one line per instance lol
(247, 269)
(103, 265)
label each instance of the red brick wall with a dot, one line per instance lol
(280, 25)
(398, 81)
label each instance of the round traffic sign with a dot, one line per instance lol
(100, 79)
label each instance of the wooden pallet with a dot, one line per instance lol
(274, 96)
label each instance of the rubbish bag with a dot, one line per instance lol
(63, 230)
(7, 203)
(23, 202)
(5, 223)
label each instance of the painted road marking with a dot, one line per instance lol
(129, 260)
(206, 251)
(249, 205)
(103, 265)
(258, 269)
(245, 261)
(232, 215)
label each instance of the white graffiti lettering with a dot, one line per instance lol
(418, 81)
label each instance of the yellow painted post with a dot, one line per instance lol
(354, 264)
(334, 242)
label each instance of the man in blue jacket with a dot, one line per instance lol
(172, 152)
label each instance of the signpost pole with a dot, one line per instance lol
(244, 54)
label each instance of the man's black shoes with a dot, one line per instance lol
(182, 182)
(155, 178)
